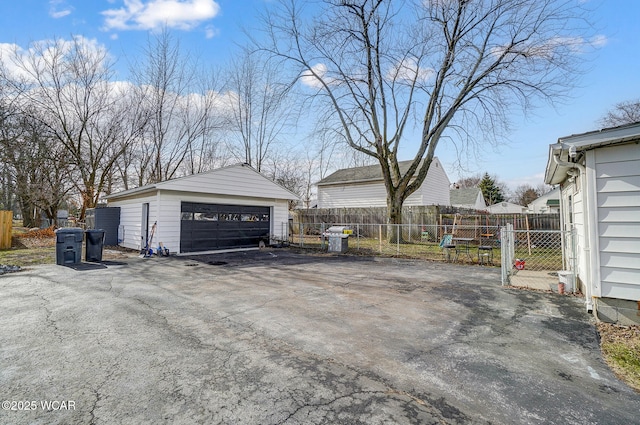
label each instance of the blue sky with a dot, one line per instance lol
(212, 30)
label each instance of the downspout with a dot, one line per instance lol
(587, 221)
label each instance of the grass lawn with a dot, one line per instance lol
(621, 350)
(420, 250)
(30, 247)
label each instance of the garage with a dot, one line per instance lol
(230, 207)
(205, 227)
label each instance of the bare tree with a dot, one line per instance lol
(627, 112)
(35, 166)
(525, 194)
(66, 86)
(469, 181)
(260, 111)
(287, 169)
(382, 68)
(206, 120)
(180, 107)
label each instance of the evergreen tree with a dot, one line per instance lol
(490, 190)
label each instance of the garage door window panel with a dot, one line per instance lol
(215, 226)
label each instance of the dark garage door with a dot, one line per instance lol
(215, 226)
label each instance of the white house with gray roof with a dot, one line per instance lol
(549, 203)
(363, 187)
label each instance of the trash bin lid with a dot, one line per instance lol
(94, 231)
(69, 230)
(65, 232)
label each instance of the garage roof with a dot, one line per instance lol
(235, 180)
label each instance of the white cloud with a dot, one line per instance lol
(210, 31)
(311, 77)
(599, 40)
(59, 9)
(19, 61)
(554, 46)
(141, 15)
(409, 70)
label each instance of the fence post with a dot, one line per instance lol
(380, 236)
(398, 234)
(358, 236)
(322, 236)
(6, 223)
(301, 231)
(507, 252)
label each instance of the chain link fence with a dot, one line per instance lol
(407, 240)
(538, 259)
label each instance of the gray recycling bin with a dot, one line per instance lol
(69, 246)
(94, 245)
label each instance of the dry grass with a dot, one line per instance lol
(30, 247)
(38, 246)
(621, 350)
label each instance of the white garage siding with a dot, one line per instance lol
(235, 185)
(165, 210)
(131, 219)
(169, 233)
(617, 172)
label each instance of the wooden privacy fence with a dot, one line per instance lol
(6, 221)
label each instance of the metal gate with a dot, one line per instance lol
(535, 258)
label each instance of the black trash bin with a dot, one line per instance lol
(69, 246)
(94, 245)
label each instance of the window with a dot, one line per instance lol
(207, 216)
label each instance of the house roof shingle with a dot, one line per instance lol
(464, 196)
(362, 174)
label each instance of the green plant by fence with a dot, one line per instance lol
(6, 223)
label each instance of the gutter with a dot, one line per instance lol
(587, 222)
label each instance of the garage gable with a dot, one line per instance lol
(235, 180)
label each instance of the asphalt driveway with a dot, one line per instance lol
(274, 337)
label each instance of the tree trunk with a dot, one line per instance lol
(394, 217)
(28, 220)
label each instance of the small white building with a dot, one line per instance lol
(506, 208)
(469, 197)
(230, 207)
(549, 203)
(599, 177)
(363, 187)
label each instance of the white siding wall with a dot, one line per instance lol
(131, 219)
(574, 219)
(361, 195)
(436, 186)
(434, 191)
(617, 172)
(165, 209)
